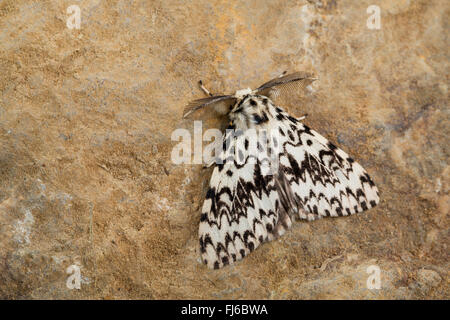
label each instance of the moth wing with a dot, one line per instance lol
(241, 211)
(318, 178)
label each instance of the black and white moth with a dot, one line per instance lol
(245, 206)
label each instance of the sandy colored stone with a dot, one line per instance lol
(429, 277)
(86, 118)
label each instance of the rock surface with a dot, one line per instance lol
(86, 117)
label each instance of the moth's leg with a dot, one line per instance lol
(206, 91)
(302, 117)
(283, 74)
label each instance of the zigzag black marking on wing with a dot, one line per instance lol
(230, 205)
(299, 171)
(323, 170)
(242, 191)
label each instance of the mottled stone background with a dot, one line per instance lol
(86, 118)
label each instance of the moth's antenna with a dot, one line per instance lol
(284, 79)
(201, 103)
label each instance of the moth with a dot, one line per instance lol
(245, 205)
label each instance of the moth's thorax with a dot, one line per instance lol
(240, 94)
(252, 111)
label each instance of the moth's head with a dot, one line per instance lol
(251, 104)
(250, 110)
